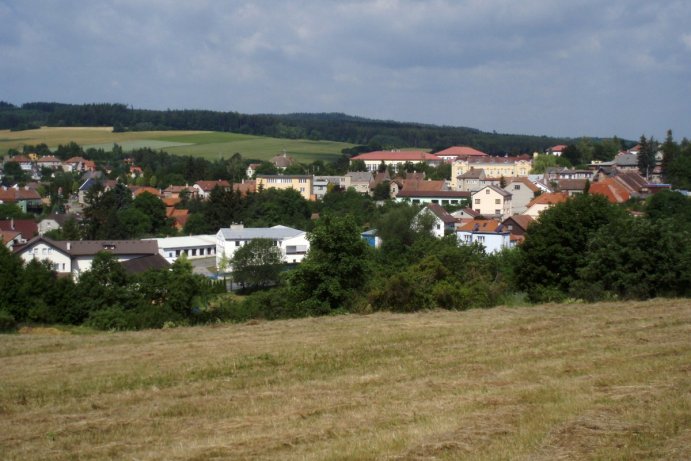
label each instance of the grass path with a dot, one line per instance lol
(602, 381)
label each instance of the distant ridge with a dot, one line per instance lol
(331, 126)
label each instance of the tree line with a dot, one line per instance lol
(327, 126)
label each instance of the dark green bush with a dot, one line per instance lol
(7, 322)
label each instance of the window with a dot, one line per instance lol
(487, 191)
(517, 187)
(438, 226)
(477, 201)
(497, 201)
(194, 252)
(237, 243)
(497, 211)
(45, 251)
(481, 238)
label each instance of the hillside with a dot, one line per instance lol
(600, 381)
(329, 126)
(211, 145)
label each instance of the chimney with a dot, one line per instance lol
(12, 224)
(69, 246)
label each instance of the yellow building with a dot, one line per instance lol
(301, 183)
(494, 167)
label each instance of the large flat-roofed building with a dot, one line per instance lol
(396, 159)
(192, 246)
(293, 243)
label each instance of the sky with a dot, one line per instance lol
(557, 68)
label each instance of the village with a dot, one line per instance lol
(488, 200)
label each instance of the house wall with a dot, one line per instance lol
(521, 195)
(47, 225)
(301, 184)
(293, 249)
(61, 262)
(492, 242)
(490, 202)
(492, 169)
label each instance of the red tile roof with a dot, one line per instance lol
(418, 185)
(461, 151)
(433, 193)
(399, 155)
(499, 160)
(483, 225)
(549, 199)
(28, 227)
(614, 191)
(208, 186)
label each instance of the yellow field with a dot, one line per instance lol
(603, 381)
(54, 136)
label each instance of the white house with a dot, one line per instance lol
(293, 243)
(193, 246)
(77, 256)
(487, 232)
(522, 191)
(492, 201)
(443, 223)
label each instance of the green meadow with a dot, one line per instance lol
(207, 144)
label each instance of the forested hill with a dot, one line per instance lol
(327, 126)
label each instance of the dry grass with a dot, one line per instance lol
(602, 381)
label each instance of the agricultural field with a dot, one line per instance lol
(573, 382)
(207, 144)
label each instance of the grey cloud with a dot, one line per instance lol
(536, 66)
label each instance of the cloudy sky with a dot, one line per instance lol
(561, 67)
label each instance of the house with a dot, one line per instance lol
(138, 190)
(488, 233)
(25, 163)
(78, 164)
(320, 184)
(454, 153)
(53, 222)
(522, 191)
(473, 180)
(371, 238)
(293, 243)
(86, 186)
(359, 181)
(25, 198)
(442, 197)
(492, 201)
(202, 189)
(247, 186)
(26, 227)
(416, 183)
(517, 225)
(556, 150)
(613, 190)
(300, 183)
(10, 239)
(556, 174)
(49, 161)
(176, 191)
(626, 161)
(282, 161)
(179, 216)
(192, 246)
(494, 167)
(251, 170)
(544, 201)
(571, 186)
(396, 159)
(76, 257)
(465, 214)
(443, 224)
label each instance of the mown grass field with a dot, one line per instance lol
(207, 144)
(602, 381)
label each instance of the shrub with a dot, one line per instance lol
(7, 322)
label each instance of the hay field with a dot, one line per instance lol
(603, 381)
(207, 144)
